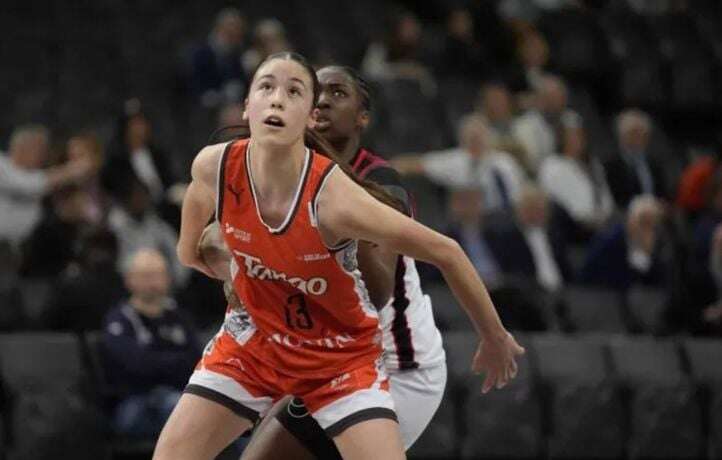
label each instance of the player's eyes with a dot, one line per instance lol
(339, 93)
(295, 91)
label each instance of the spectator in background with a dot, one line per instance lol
(461, 54)
(136, 225)
(89, 286)
(24, 182)
(532, 54)
(137, 157)
(150, 348)
(472, 164)
(576, 181)
(217, 74)
(87, 147)
(469, 228)
(695, 182)
(269, 37)
(702, 280)
(399, 55)
(630, 252)
(496, 106)
(53, 243)
(538, 128)
(532, 247)
(633, 171)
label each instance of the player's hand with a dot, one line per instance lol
(496, 358)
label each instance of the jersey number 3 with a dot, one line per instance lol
(297, 315)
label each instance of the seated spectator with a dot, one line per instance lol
(633, 171)
(269, 37)
(515, 304)
(461, 54)
(86, 146)
(532, 247)
(538, 128)
(630, 252)
(532, 59)
(711, 315)
(52, 244)
(217, 76)
(695, 182)
(399, 55)
(24, 182)
(496, 106)
(149, 348)
(89, 286)
(136, 225)
(576, 181)
(472, 164)
(137, 157)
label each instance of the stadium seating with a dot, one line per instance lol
(646, 306)
(664, 415)
(704, 357)
(504, 423)
(585, 411)
(594, 309)
(48, 392)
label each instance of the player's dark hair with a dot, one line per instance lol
(312, 139)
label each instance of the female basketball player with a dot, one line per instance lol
(413, 352)
(291, 218)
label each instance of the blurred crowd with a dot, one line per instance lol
(516, 141)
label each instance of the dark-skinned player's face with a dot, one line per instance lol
(340, 112)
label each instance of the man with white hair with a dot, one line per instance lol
(150, 347)
(633, 171)
(24, 182)
(472, 164)
(538, 128)
(629, 252)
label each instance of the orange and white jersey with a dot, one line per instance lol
(310, 313)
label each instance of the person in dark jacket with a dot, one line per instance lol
(149, 347)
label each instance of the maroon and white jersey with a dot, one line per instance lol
(411, 339)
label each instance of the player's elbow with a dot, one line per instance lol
(446, 252)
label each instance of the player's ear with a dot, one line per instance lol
(244, 116)
(363, 119)
(312, 119)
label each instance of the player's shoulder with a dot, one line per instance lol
(205, 164)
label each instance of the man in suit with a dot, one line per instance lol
(633, 171)
(530, 246)
(472, 228)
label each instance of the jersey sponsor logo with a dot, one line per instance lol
(330, 342)
(313, 257)
(237, 233)
(339, 381)
(256, 270)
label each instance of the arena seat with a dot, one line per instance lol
(40, 361)
(704, 357)
(665, 417)
(47, 386)
(502, 423)
(594, 309)
(646, 306)
(585, 409)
